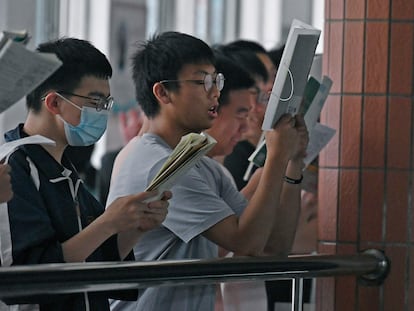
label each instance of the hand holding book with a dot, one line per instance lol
(314, 98)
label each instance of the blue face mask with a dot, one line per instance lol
(91, 127)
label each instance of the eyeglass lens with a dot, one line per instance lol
(208, 81)
(104, 103)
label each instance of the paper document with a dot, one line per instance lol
(315, 96)
(318, 139)
(21, 71)
(7, 148)
(190, 148)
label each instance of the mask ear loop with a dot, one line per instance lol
(291, 90)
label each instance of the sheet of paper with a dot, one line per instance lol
(7, 148)
(21, 71)
(312, 114)
(319, 138)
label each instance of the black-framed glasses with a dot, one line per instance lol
(208, 81)
(100, 103)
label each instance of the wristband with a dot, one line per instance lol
(293, 181)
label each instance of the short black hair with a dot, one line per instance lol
(162, 58)
(236, 77)
(247, 59)
(247, 45)
(79, 59)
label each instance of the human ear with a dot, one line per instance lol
(161, 93)
(51, 102)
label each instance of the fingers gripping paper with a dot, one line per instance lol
(190, 148)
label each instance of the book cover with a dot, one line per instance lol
(309, 93)
(292, 74)
(314, 109)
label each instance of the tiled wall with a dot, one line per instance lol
(366, 182)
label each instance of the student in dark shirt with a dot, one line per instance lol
(53, 217)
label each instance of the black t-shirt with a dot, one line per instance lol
(237, 162)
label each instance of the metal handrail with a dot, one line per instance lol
(371, 267)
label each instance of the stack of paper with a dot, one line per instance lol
(315, 95)
(190, 148)
(21, 70)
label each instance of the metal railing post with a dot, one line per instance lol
(297, 294)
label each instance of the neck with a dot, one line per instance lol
(168, 131)
(37, 125)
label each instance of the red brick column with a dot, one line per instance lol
(366, 184)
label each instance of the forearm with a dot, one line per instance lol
(127, 240)
(257, 220)
(287, 213)
(82, 245)
(252, 185)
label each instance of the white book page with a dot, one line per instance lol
(7, 148)
(21, 71)
(318, 139)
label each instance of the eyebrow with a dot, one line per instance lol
(205, 72)
(244, 109)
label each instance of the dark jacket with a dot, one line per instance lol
(42, 215)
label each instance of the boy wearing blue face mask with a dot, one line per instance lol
(53, 218)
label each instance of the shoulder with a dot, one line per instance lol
(18, 161)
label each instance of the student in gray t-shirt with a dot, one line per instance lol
(178, 88)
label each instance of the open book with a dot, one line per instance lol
(292, 74)
(190, 148)
(21, 70)
(314, 98)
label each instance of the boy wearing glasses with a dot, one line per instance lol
(53, 218)
(178, 87)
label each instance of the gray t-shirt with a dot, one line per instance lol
(201, 198)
